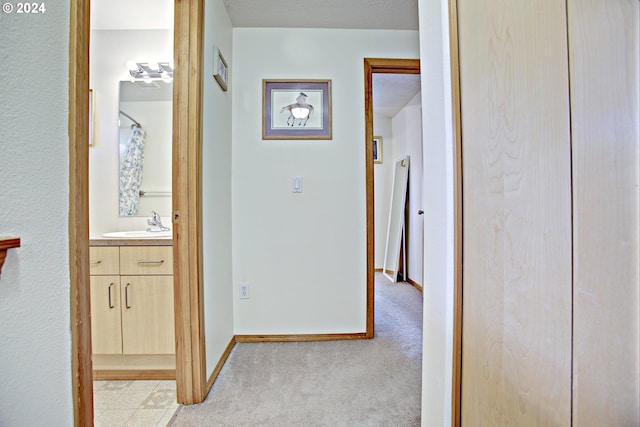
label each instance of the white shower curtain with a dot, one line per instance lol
(131, 172)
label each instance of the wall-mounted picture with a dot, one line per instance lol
(296, 109)
(220, 70)
(377, 149)
(91, 102)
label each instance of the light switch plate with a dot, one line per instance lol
(296, 183)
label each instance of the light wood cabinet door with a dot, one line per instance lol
(147, 315)
(106, 327)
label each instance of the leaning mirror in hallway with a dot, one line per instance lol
(395, 230)
(145, 134)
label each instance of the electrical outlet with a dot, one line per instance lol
(244, 291)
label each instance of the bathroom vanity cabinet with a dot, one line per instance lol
(132, 310)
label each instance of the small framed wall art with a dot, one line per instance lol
(220, 70)
(377, 149)
(296, 109)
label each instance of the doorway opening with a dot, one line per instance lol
(191, 384)
(373, 66)
(132, 303)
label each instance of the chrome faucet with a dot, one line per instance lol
(155, 223)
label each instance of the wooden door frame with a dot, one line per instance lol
(187, 206)
(191, 381)
(81, 367)
(456, 114)
(378, 66)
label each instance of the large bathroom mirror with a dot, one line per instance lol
(395, 230)
(145, 134)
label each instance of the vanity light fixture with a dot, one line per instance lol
(151, 70)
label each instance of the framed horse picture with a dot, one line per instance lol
(296, 109)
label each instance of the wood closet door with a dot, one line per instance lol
(516, 360)
(604, 50)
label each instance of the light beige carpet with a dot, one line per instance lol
(338, 383)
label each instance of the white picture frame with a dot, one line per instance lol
(220, 70)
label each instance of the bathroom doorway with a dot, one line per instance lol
(130, 180)
(190, 380)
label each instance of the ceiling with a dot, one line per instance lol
(391, 92)
(353, 14)
(346, 14)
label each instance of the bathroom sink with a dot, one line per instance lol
(141, 234)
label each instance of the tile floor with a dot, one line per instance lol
(134, 403)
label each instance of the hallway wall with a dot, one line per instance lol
(438, 192)
(216, 189)
(303, 255)
(35, 360)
